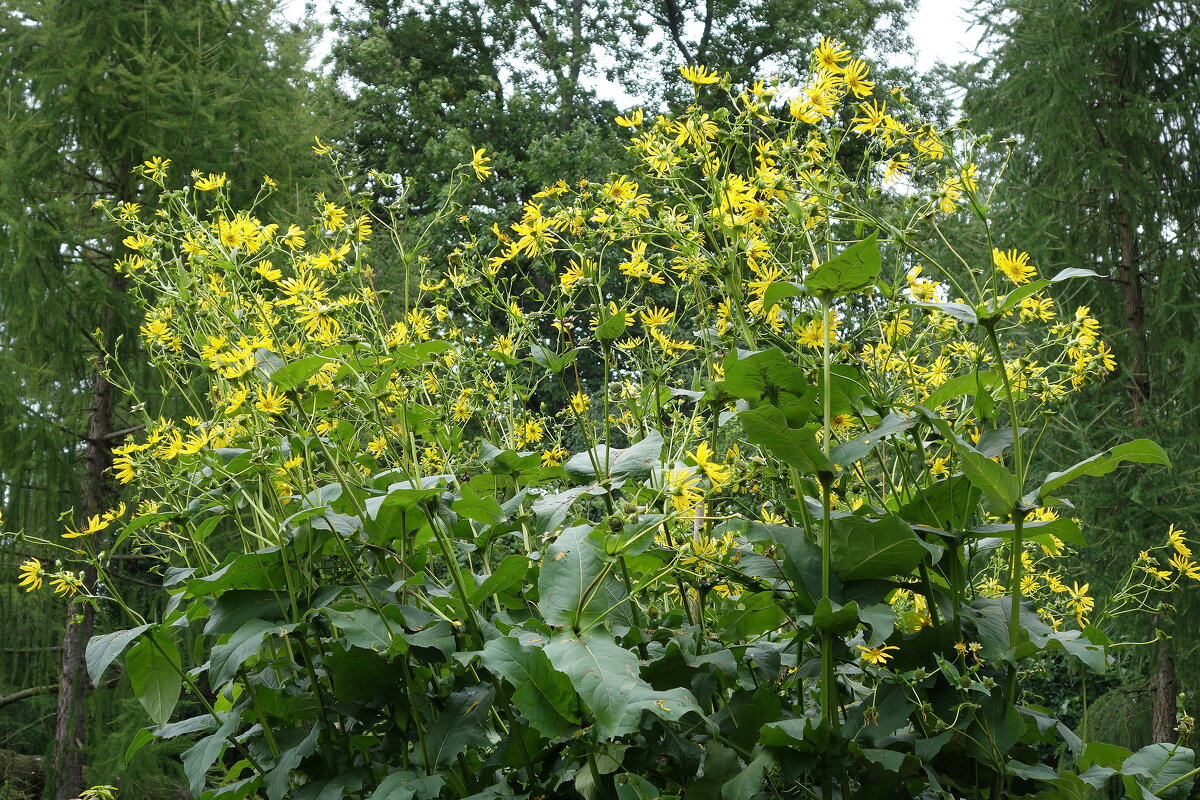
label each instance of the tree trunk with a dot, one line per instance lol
(66, 770)
(1164, 689)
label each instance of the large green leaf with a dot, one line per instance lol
(854, 268)
(102, 650)
(1142, 451)
(767, 428)
(507, 574)
(543, 694)
(857, 448)
(155, 674)
(862, 548)
(606, 677)
(998, 484)
(629, 462)
(753, 376)
(1156, 765)
(296, 373)
(244, 643)
(571, 590)
(463, 719)
(405, 785)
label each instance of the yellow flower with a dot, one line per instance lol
(699, 75)
(1186, 566)
(156, 167)
(830, 53)
(579, 402)
(630, 121)
(66, 584)
(683, 487)
(855, 75)
(554, 456)
(876, 655)
(479, 162)
(333, 216)
(655, 317)
(210, 183)
(1175, 537)
(716, 473)
(95, 524)
(873, 115)
(1080, 603)
(1014, 264)
(271, 402)
(31, 574)
(293, 239)
(138, 241)
(320, 148)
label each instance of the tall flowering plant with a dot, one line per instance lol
(713, 480)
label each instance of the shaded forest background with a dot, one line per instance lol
(1091, 106)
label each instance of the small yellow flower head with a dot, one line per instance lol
(699, 75)
(876, 655)
(830, 54)
(479, 162)
(31, 574)
(580, 402)
(631, 120)
(1176, 537)
(1014, 264)
(716, 473)
(211, 183)
(95, 524)
(320, 148)
(156, 168)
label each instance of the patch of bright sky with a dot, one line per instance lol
(940, 32)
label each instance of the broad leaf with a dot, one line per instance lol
(857, 448)
(507, 574)
(227, 657)
(767, 428)
(862, 548)
(1156, 765)
(570, 587)
(606, 677)
(1142, 451)
(463, 719)
(296, 373)
(102, 650)
(753, 376)
(632, 462)
(854, 268)
(156, 675)
(543, 694)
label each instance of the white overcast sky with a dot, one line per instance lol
(938, 29)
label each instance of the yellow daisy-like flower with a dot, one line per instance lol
(683, 485)
(655, 317)
(66, 584)
(1175, 537)
(95, 524)
(479, 162)
(333, 216)
(211, 183)
(876, 655)
(699, 75)
(830, 54)
(31, 574)
(631, 120)
(717, 473)
(156, 168)
(580, 402)
(1014, 264)
(271, 402)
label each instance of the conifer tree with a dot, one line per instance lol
(89, 91)
(1097, 100)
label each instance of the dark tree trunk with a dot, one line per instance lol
(1164, 689)
(67, 767)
